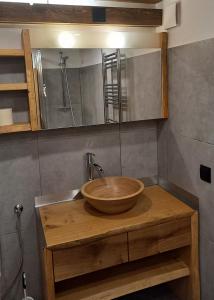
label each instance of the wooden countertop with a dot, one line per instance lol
(74, 223)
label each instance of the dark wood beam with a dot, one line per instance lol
(69, 14)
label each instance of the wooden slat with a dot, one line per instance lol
(159, 238)
(30, 79)
(43, 13)
(15, 128)
(88, 258)
(194, 265)
(164, 74)
(13, 86)
(122, 280)
(11, 52)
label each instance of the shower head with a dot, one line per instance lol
(62, 59)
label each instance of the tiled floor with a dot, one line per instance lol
(156, 293)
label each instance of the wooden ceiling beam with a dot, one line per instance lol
(68, 14)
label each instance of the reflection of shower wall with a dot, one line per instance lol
(84, 71)
(92, 94)
(143, 80)
(57, 116)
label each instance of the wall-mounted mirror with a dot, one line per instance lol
(80, 87)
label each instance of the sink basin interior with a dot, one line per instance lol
(113, 188)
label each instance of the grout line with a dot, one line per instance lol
(81, 96)
(157, 131)
(120, 141)
(167, 149)
(38, 155)
(191, 138)
(84, 130)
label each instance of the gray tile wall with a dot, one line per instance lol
(137, 148)
(12, 70)
(18, 101)
(186, 140)
(38, 163)
(19, 183)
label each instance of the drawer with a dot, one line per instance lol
(90, 257)
(159, 238)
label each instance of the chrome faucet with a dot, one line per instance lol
(91, 166)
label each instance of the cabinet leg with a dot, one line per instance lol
(48, 275)
(189, 288)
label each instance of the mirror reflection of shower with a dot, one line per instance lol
(66, 93)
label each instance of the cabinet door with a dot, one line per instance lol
(159, 238)
(90, 257)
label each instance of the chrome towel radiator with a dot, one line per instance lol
(111, 64)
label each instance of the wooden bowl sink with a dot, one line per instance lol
(112, 195)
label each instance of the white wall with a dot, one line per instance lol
(10, 38)
(196, 22)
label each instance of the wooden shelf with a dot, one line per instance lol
(13, 86)
(15, 128)
(12, 52)
(28, 86)
(124, 279)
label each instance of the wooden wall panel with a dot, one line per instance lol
(30, 79)
(164, 75)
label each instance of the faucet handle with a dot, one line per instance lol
(90, 154)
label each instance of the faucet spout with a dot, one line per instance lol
(99, 169)
(91, 166)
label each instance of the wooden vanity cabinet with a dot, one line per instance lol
(110, 256)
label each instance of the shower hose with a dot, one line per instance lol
(19, 271)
